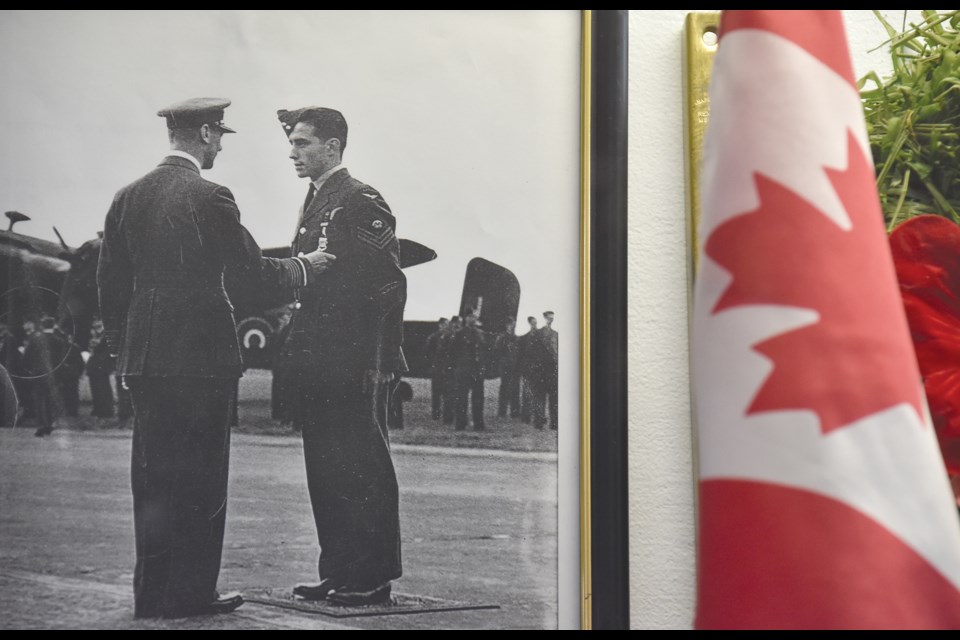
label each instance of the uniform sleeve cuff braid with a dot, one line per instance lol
(305, 269)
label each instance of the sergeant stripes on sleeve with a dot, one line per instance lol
(378, 240)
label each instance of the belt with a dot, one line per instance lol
(178, 280)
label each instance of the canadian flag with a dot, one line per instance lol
(823, 499)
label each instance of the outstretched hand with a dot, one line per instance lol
(319, 261)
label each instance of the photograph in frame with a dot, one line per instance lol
(464, 129)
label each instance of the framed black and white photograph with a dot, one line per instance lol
(296, 319)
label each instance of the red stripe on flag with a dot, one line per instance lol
(821, 33)
(774, 557)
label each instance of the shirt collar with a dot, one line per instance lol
(323, 178)
(185, 155)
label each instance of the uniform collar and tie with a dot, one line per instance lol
(313, 190)
(176, 153)
(316, 185)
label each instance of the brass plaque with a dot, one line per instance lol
(699, 48)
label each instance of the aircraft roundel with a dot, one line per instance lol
(254, 333)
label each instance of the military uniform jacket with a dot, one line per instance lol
(167, 239)
(467, 349)
(508, 349)
(551, 340)
(9, 353)
(434, 352)
(70, 367)
(350, 318)
(100, 362)
(43, 352)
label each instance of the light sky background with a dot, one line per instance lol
(466, 122)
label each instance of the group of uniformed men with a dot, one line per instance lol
(45, 367)
(463, 356)
(168, 237)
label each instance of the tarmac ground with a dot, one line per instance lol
(478, 522)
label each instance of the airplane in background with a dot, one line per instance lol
(39, 278)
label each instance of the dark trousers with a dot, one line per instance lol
(45, 405)
(469, 384)
(8, 399)
(449, 391)
(552, 404)
(25, 396)
(101, 391)
(545, 404)
(538, 404)
(181, 454)
(394, 417)
(69, 389)
(527, 400)
(509, 396)
(353, 488)
(549, 394)
(436, 396)
(124, 403)
(276, 397)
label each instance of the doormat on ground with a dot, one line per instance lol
(399, 603)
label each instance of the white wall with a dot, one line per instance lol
(662, 524)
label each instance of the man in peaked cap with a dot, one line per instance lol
(507, 347)
(43, 354)
(436, 367)
(551, 363)
(468, 355)
(167, 239)
(528, 370)
(345, 346)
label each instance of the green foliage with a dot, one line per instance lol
(913, 119)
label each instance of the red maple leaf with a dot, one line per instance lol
(856, 360)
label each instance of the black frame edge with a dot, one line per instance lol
(610, 598)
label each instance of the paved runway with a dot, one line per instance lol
(477, 527)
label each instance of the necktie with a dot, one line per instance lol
(312, 191)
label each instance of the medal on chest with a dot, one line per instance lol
(325, 220)
(322, 244)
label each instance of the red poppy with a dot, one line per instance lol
(926, 254)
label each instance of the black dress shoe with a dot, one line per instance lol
(360, 596)
(225, 603)
(316, 590)
(220, 604)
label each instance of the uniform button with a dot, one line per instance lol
(297, 306)
(301, 254)
(303, 230)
